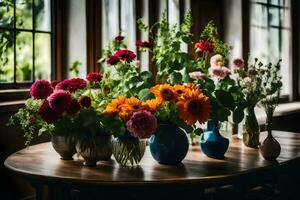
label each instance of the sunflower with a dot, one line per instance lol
(115, 105)
(193, 107)
(163, 92)
(153, 104)
(180, 90)
(130, 106)
(192, 86)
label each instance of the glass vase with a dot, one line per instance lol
(251, 129)
(129, 151)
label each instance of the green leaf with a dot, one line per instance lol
(238, 115)
(175, 78)
(223, 114)
(198, 131)
(145, 94)
(225, 98)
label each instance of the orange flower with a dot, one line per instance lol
(153, 104)
(115, 105)
(193, 107)
(163, 92)
(192, 86)
(130, 106)
(180, 90)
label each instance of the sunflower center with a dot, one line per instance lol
(194, 107)
(179, 92)
(166, 94)
(136, 107)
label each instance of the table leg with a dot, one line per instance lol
(39, 193)
(58, 192)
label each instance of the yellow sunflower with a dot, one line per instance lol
(193, 107)
(163, 92)
(192, 86)
(153, 104)
(115, 105)
(130, 106)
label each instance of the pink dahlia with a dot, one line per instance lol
(144, 44)
(74, 107)
(119, 38)
(197, 75)
(205, 46)
(85, 101)
(216, 60)
(41, 89)
(47, 113)
(60, 101)
(54, 83)
(220, 72)
(71, 85)
(126, 55)
(112, 60)
(94, 77)
(142, 124)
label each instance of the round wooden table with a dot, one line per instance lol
(41, 165)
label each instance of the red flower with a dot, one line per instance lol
(41, 89)
(59, 101)
(74, 107)
(85, 101)
(54, 83)
(94, 77)
(119, 38)
(112, 60)
(205, 46)
(144, 44)
(71, 85)
(47, 113)
(125, 54)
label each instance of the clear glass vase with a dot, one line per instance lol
(129, 151)
(251, 129)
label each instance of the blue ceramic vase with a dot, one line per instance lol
(169, 144)
(212, 143)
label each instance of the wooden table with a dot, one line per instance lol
(41, 165)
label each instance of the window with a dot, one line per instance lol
(25, 42)
(270, 36)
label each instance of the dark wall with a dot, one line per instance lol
(12, 140)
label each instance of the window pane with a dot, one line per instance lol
(42, 15)
(128, 22)
(6, 13)
(24, 14)
(24, 56)
(259, 15)
(274, 16)
(110, 20)
(42, 56)
(6, 56)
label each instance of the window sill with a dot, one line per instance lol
(13, 95)
(282, 110)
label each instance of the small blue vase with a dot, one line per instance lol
(169, 144)
(212, 143)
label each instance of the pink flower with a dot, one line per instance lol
(126, 55)
(71, 85)
(47, 113)
(205, 46)
(112, 60)
(41, 89)
(144, 44)
(74, 107)
(216, 61)
(54, 83)
(94, 77)
(85, 101)
(119, 38)
(60, 101)
(142, 124)
(197, 75)
(237, 64)
(220, 72)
